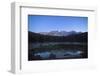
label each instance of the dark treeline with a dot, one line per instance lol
(36, 37)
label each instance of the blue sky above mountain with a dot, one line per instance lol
(43, 23)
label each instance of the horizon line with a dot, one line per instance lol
(57, 31)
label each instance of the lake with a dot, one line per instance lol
(57, 50)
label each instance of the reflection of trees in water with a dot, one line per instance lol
(34, 45)
(40, 57)
(37, 57)
(52, 56)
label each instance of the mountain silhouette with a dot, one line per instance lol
(76, 37)
(59, 33)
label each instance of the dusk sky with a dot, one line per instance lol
(43, 23)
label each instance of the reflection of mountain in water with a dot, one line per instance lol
(59, 54)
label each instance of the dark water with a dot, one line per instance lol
(45, 51)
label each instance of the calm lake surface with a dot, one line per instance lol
(59, 54)
(57, 50)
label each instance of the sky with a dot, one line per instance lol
(44, 23)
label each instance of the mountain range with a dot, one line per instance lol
(59, 33)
